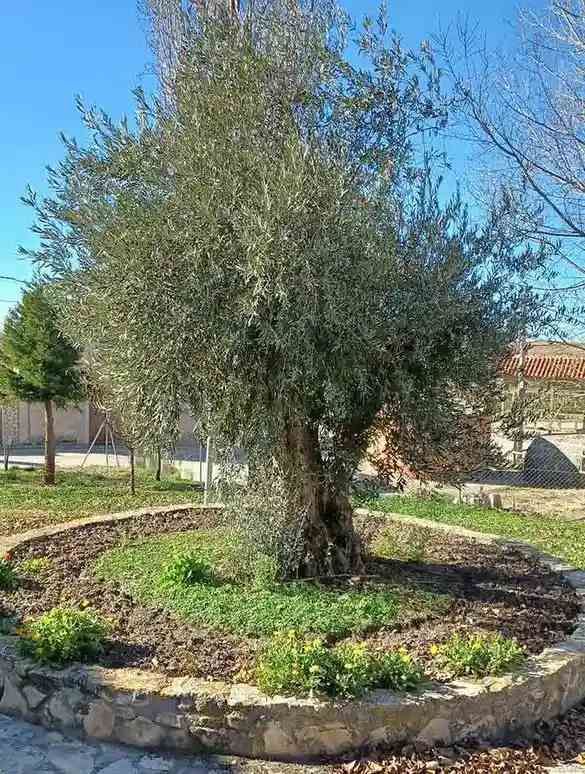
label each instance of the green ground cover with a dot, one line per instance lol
(228, 604)
(564, 539)
(25, 503)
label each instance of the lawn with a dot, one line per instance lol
(25, 503)
(564, 539)
(235, 605)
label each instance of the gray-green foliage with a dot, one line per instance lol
(270, 250)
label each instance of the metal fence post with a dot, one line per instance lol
(208, 469)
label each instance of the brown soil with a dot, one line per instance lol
(492, 588)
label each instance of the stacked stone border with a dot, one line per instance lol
(154, 711)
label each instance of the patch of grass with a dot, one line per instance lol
(25, 503)
(256, 609)
(407, 544)
(292, 664)
(478, 655)
(564, 539)
(8, 576)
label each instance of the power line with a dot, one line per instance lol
(12, 279)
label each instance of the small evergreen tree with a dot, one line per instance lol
(38, 364)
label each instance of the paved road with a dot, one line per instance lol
(69, 456)
(26, 749)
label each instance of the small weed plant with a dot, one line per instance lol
(293, 664)
(360, 670)
(35, 567)
(8, 576)
(478, 655)
(64, 635)
(187, 569)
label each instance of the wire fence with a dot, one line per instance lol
(189, 460)
(545, 476)
(552, 460)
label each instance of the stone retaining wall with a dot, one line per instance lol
(153, 711)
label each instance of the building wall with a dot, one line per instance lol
(71, 424)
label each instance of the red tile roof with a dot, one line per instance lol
(545, 367)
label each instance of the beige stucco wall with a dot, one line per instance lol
(71, 424)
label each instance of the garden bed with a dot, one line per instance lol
(151, 708)
(420, 588)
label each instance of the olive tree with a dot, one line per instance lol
(272, 252)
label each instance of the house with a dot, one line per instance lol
(549, 378)
(552, 377)
(546, 361)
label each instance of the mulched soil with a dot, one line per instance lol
(492, 588)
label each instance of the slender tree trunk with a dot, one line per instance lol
(331, 544)
(158, 473)
(132, 471)
(50, 445)
(208, 470)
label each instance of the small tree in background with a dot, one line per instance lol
(38, 364)
(9, 426)
(146, 421)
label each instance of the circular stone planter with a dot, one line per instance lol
(148, 710)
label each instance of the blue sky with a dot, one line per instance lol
(49, 52)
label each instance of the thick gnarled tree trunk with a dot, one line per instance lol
(331, 544)
(50, 444)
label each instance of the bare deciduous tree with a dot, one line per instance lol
(526, 110)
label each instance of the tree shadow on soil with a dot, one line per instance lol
(478, 583)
